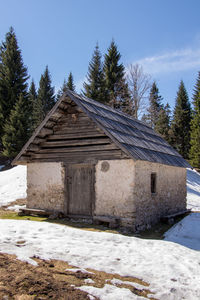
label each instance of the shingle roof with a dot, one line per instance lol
(134, 137)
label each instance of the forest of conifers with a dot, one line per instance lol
(129, 89)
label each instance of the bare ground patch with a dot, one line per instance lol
(50, 280)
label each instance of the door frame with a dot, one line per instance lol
(66, 190)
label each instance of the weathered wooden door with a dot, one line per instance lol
(80, 189)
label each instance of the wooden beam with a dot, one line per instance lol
(55, 139)
(79, 149)
(94, 154)
(37, 140)
(80, 159)
(45, 131)
(77, 135)
(74, 129)
(33, 147)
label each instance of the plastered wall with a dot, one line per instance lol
(170, 196)
(45, 186)
(122, 189)
(114, 188)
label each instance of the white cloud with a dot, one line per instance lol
(179, 60)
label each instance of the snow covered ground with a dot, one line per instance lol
(171, 266)
(172, 270)
(12, 184)
(186, 232)
(193, 190)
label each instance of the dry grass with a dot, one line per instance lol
(51, 280)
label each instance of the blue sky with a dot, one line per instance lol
(161, 35)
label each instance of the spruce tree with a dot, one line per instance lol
(61, 90)
(32, 95)
(180, 126)
(70, 83)
(15, 128)
(155, 105)
(95, 86)
(13, 77)
(116, 86)
(46, 98)
(66, 85)
(195, 127)
(162, 125)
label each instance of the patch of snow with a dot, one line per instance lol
(79, 269)
(186, 232)
(16, 207)
(134, 284)
(110, 292)
(89, 280)
(193, 190)
(172, 270)
(12, 184)
(91, 297)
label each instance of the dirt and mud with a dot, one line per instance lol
(22, 281)
(54, 280)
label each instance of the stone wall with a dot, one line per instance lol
(114, 188)
(170, 196)
(45, 186)
(122, 190)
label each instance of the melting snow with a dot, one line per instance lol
(171, 266)
(12, 184)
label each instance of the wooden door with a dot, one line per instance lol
(80, 189)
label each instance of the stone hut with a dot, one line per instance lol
(88, 160)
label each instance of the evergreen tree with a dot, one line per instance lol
(32, 95)
(15, 128)
(66, 85)
(195, 127)
(46, 98)
(61, 90)
(155, 105)
(180, 126)
(13, 77)
(95, 86)
(116, 86)
(70, 83)
(162, 125)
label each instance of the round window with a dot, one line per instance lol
(105, 166)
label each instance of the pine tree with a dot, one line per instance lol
(162, 125)
(66, 85)
(61, 90)
(32, 95)
(155, 105)
(116, 86)
(46, 98)
(180, 126)
(70, 83)
(13, 77)
(15, 128)
(195, 127)
(95, 86)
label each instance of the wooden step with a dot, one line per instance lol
(172, 216)
(33, 211)
(112, 222)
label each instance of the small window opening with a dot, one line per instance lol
(153, 183)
